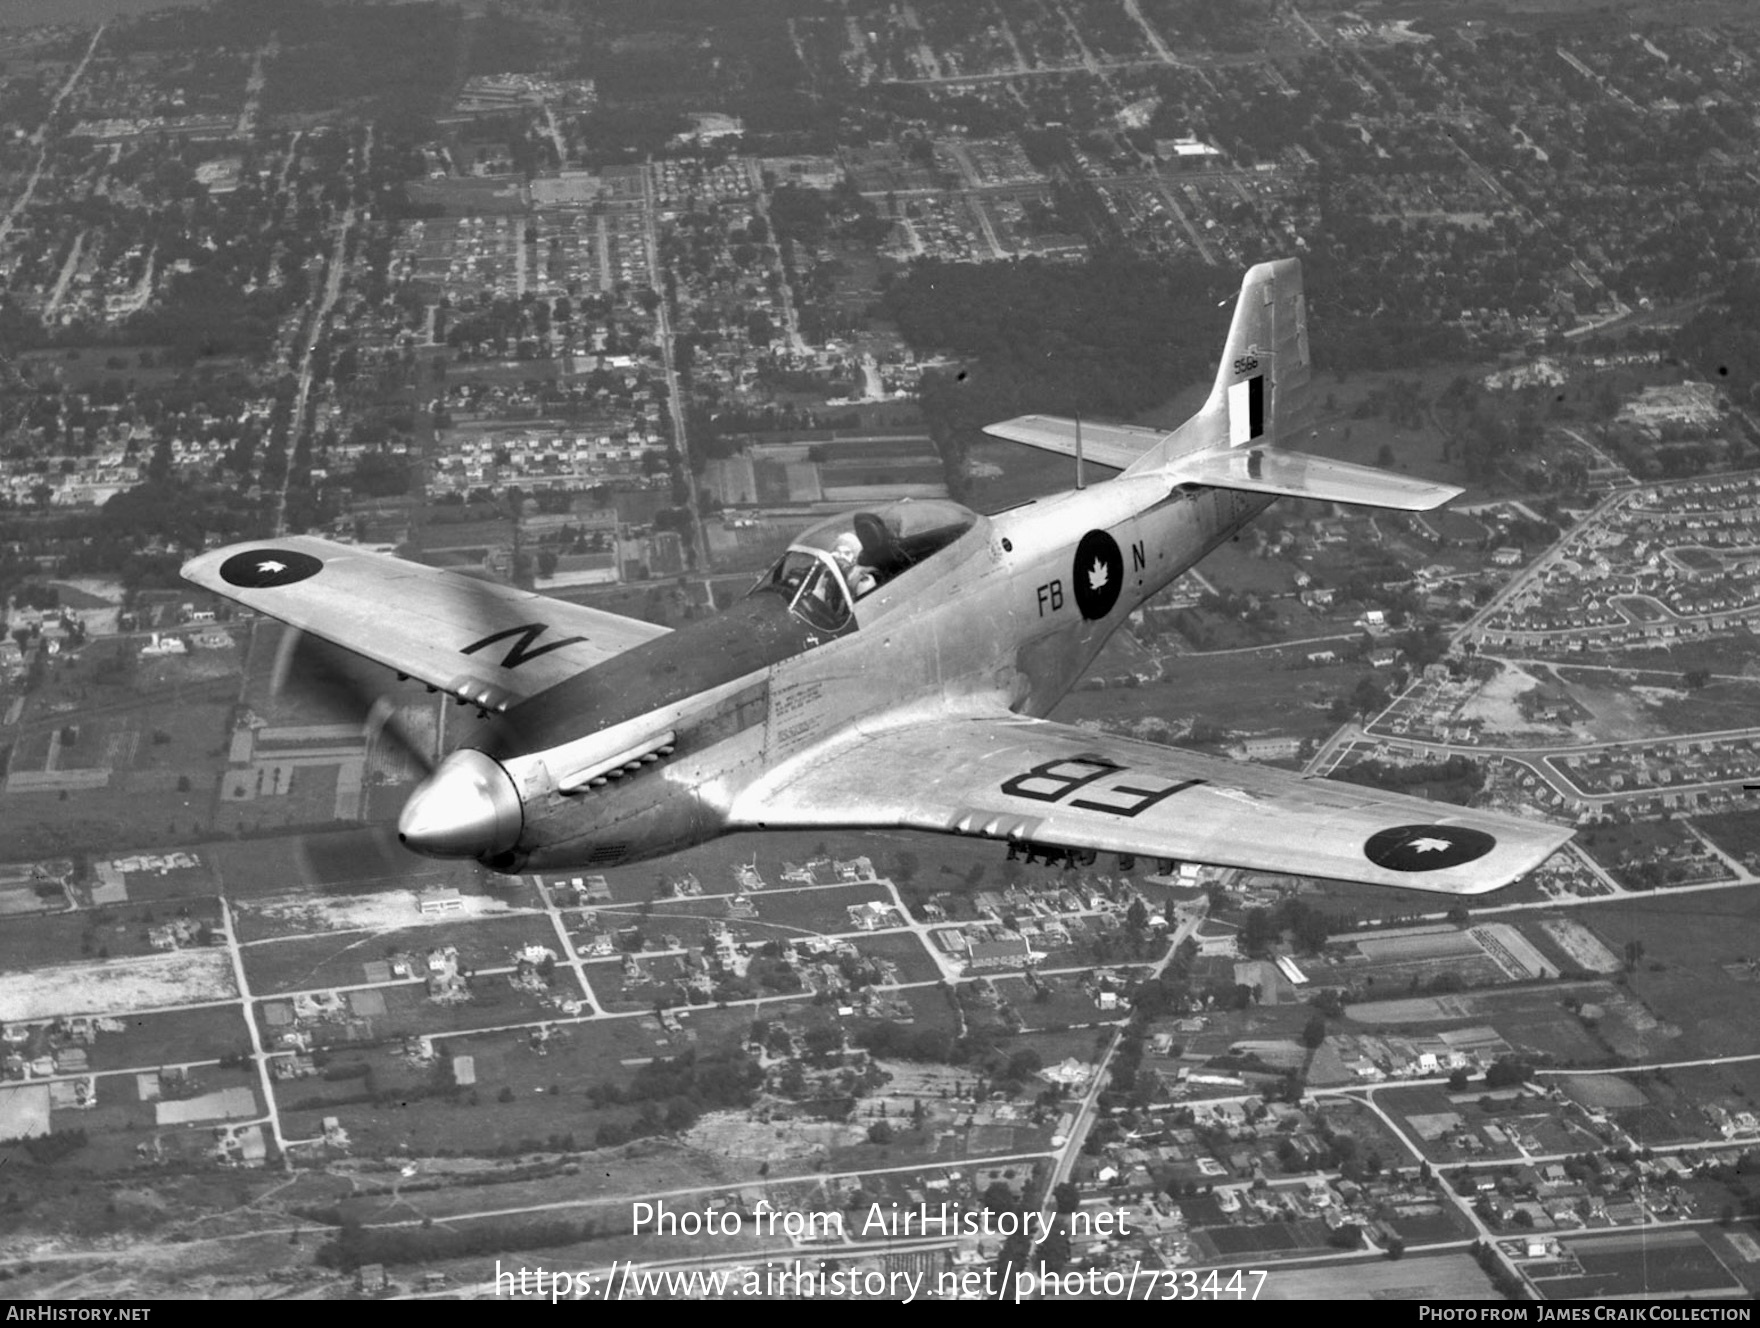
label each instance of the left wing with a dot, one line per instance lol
(1031, 781)
(477, 640)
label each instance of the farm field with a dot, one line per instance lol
(1642, 1264)
(1532, 1019)
(1416, 1277)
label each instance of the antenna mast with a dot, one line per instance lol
(1081, 480)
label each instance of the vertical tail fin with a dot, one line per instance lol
(1262, 395)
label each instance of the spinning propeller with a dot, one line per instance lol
(464, 807)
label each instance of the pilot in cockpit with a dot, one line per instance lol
(848, 552)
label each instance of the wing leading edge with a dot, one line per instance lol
(1032, 781)
(483, 642)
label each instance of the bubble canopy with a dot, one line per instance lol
(850, 555)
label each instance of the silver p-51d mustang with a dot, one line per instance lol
(893, 670)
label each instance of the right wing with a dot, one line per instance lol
(1030, 781)
(1116, 445)
(483, 642)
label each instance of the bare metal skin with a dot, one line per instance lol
(894, 669)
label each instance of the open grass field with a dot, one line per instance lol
(1670, 1113)
(114, 932)
(336, 960)
(165, 892)
(1202, 631)
(714, 1027)
(713, 864)
(1686, 940)
(493, 1003)
(1721, 654)
(1736, 833)
(782, 914)
(1367, 1129)
(930, 1008)
(905, 952)
(658, 986)
(1713, 708)
(523, 1098)
(1239, 693)
(1554, 1033)
(135, 812)
(1350, 901)
(1236, 566)
(1266, 1240)
(1419, 1110)
(346, 862)
(1065, 1005)
(1737, 1246)
(1736, 1086)
(172, 1038)
(308, 799)
(1609, 844)
(823, 909)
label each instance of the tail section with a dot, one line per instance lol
(1261, 409)
(1259, 412)
(1262, 394)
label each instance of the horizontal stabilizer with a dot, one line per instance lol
(1116, 445)
(1298, 475)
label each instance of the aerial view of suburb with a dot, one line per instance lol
(694, 649)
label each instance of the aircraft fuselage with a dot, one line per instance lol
(1012, 613)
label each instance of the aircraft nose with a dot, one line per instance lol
(468, 808)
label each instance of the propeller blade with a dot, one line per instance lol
(324, 683)
(355, 860)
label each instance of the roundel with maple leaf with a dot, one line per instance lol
(1098, 574)
(264, 569)
(1420, 848)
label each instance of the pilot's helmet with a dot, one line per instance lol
(847, 549)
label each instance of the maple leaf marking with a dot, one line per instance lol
(271, 566)
(1097, 577)
(1429, 844)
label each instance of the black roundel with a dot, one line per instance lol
(262, 569)
(1416, 848)
(1098, 574)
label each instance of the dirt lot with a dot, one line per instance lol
(115, 986)
(306, 914)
